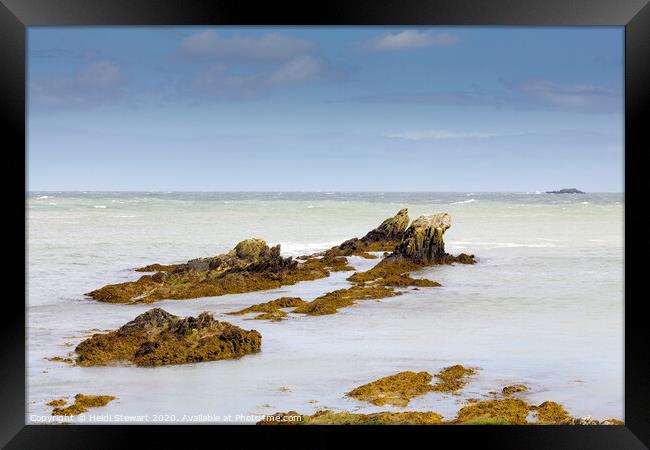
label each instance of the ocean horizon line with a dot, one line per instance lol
(87, 191)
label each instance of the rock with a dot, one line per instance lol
(391, 229)
(251, 266)
(246, 254)
(423, 240)
(508, 391)
(510, 410)
(396, 390)
(81, 404)
(252, 249)
(330, 302)
(199, 264)
(423, 244)
(271, 310)
(551, 412)
(326, 417)
(157, 337)
(566, 191)
(159, 268)
(254, 266)
(453, 378)
(383, 238)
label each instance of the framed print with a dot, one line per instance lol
(384, 218)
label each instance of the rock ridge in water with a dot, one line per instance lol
(254, 266)
(384, 238)
(157, 337)
(251, 266)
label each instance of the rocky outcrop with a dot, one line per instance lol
(384, 238)
(423, 242)
(157, 337)
(251, 266)
(327, 417)
(396, 390)
(271, 310)
(254, 266)
(391, 229)
(453, 378)
(252, 255)
(80, 405)
(566, 191)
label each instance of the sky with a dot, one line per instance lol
(325, 109)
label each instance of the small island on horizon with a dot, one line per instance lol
(566, 191)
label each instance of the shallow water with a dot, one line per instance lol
(543, 307)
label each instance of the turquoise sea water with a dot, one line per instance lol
(543, 307)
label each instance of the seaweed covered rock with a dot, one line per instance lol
(251, 266)
(423, 242)
(453, 378)
(380, 282)
(157, 337)
(509, 391)
(391, 229)
(271, 310)
(511, 410)
(384, 238)
(330, 302)
(254, 266)
(81, 404)
(551, 412)
(326, 417)
(396, 390)
(252, 255)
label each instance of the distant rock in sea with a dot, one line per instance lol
(566, 191)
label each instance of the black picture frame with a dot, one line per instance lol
(16, 15)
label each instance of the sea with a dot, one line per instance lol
(543, 306)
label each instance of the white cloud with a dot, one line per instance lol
(411, 39)
(95, 84)
(265, 48)
(219, 81)
(298, 70)
(442, 134)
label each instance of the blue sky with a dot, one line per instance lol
(325, 108)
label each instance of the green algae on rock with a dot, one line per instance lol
(271, 310)
(271, 306)
(332, 301)
(60, 359)
(396, 390)
(250, 266)
(399, 389)
(384, 238)
(81, 404)
(253, 266)
(512, 410)
(326, 417)
(508, 391)
(159, 268)
(157, 338)
(423, 242)
(453, 378)
(57, 402)
(376, 283)
(551, 412)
